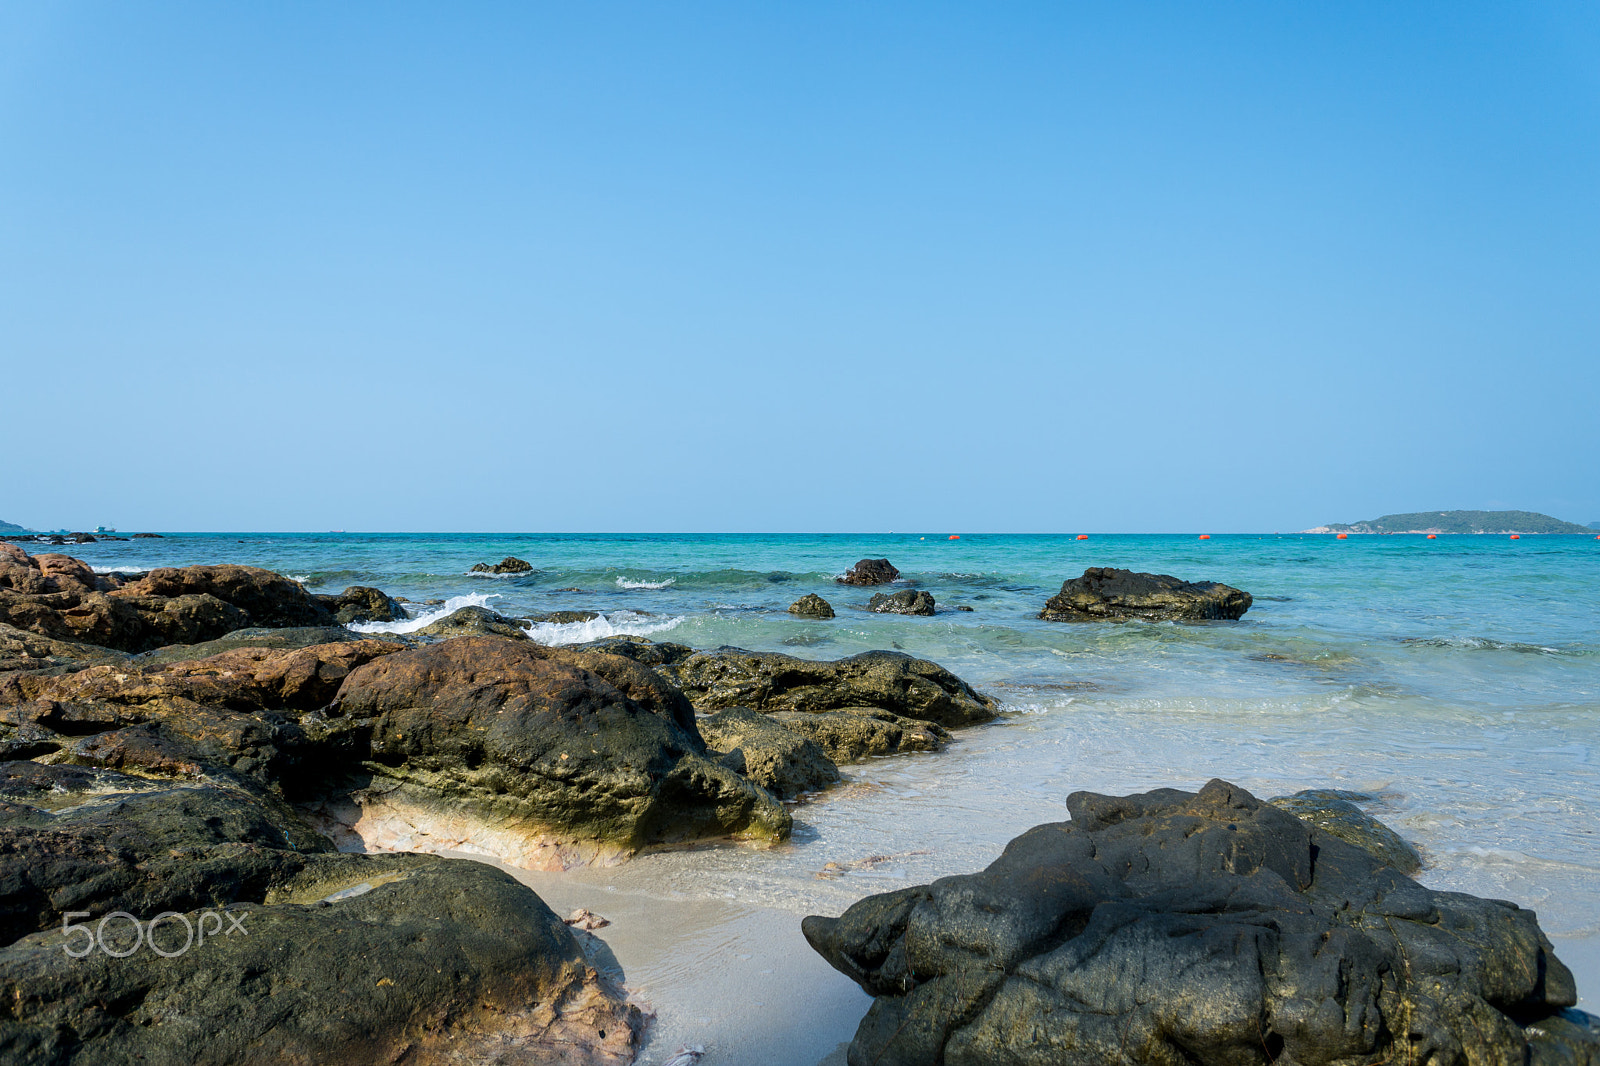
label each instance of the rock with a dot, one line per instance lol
(1332, 811)
(359, 603)
(473, 621)
(147, 536)
(562, 618)
(1204, 928)
(869, 572)
(509, 565)
(962, 607)
(545, 757)
(1104, 593)
(287, 639)
(906, 601)
(853, 734)
(887, 680)
(780, 760)
(60, 597)
(811, 606)
(323, 957)
(21, 650)
(640, 649)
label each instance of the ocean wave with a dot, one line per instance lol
(411, 625)
(1485, 644)
(626, 583)
(117, 569)
(616, 624)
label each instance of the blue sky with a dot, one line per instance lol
(1031, 267)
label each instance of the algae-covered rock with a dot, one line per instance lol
(852, 734)
(509, 565)
(771, 681)
(473, 621)
(1208, 929)
(1105, 593)
(543, 756)
(780, 760)
(906, 601)
(21, 650)
(1332, 811)
(811, 606)
(869, 572)
(360, 603)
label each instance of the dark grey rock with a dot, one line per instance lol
(869, 572)
(1334, 812)
(1203, 929)
(782, 761)
(906, 601)
(1104, 593)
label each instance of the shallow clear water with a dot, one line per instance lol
(1457, 679)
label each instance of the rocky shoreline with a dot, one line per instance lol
(211, 740)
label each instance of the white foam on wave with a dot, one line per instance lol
(616, 624)
(411, 625)
(623, 582)
(116, 569)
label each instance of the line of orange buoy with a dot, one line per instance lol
(1205, 536)
(1083, 536)
(1344, 536)
(1516, 536)
(955, 536)
(1433, 536)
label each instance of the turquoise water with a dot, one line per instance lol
(1457, 680)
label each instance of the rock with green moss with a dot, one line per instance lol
(811, 606)
(853, 734)
(780, 760)
(1334, 812)
(471, 621)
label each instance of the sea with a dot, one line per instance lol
(1454, 683)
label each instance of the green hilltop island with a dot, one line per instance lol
(1458, 522)
(12, 527)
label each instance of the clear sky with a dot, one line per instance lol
(760, 266)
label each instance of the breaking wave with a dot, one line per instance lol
(625, 583)
(616, 624)
(411, 625)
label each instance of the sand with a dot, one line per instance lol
(741, 982)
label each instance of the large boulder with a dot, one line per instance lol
(886, 680)
(1204, 929)
(906, 601)
(287, 639)
(780, 760)
(21, 650)
(544, 757)
(269, 947)
(811, 606)
(869, 572)
(269, 599)
(1104, 593)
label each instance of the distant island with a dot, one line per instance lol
(1458, 522)
(12, 527)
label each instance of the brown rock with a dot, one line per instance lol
(869, 572)
(811, 606)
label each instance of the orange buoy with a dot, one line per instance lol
(1205, 536)
(1516, 536)
(1433, 536)
(1083, 536)
(955, 536)
(1344, 536)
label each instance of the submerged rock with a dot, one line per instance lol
(1207, 928)
(869, 572)
(509, 565)
(906, 601)
(1105, 593)
(852, 734)
(811, 606)
(780, 760)
(886, 680)
(1332, 811)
